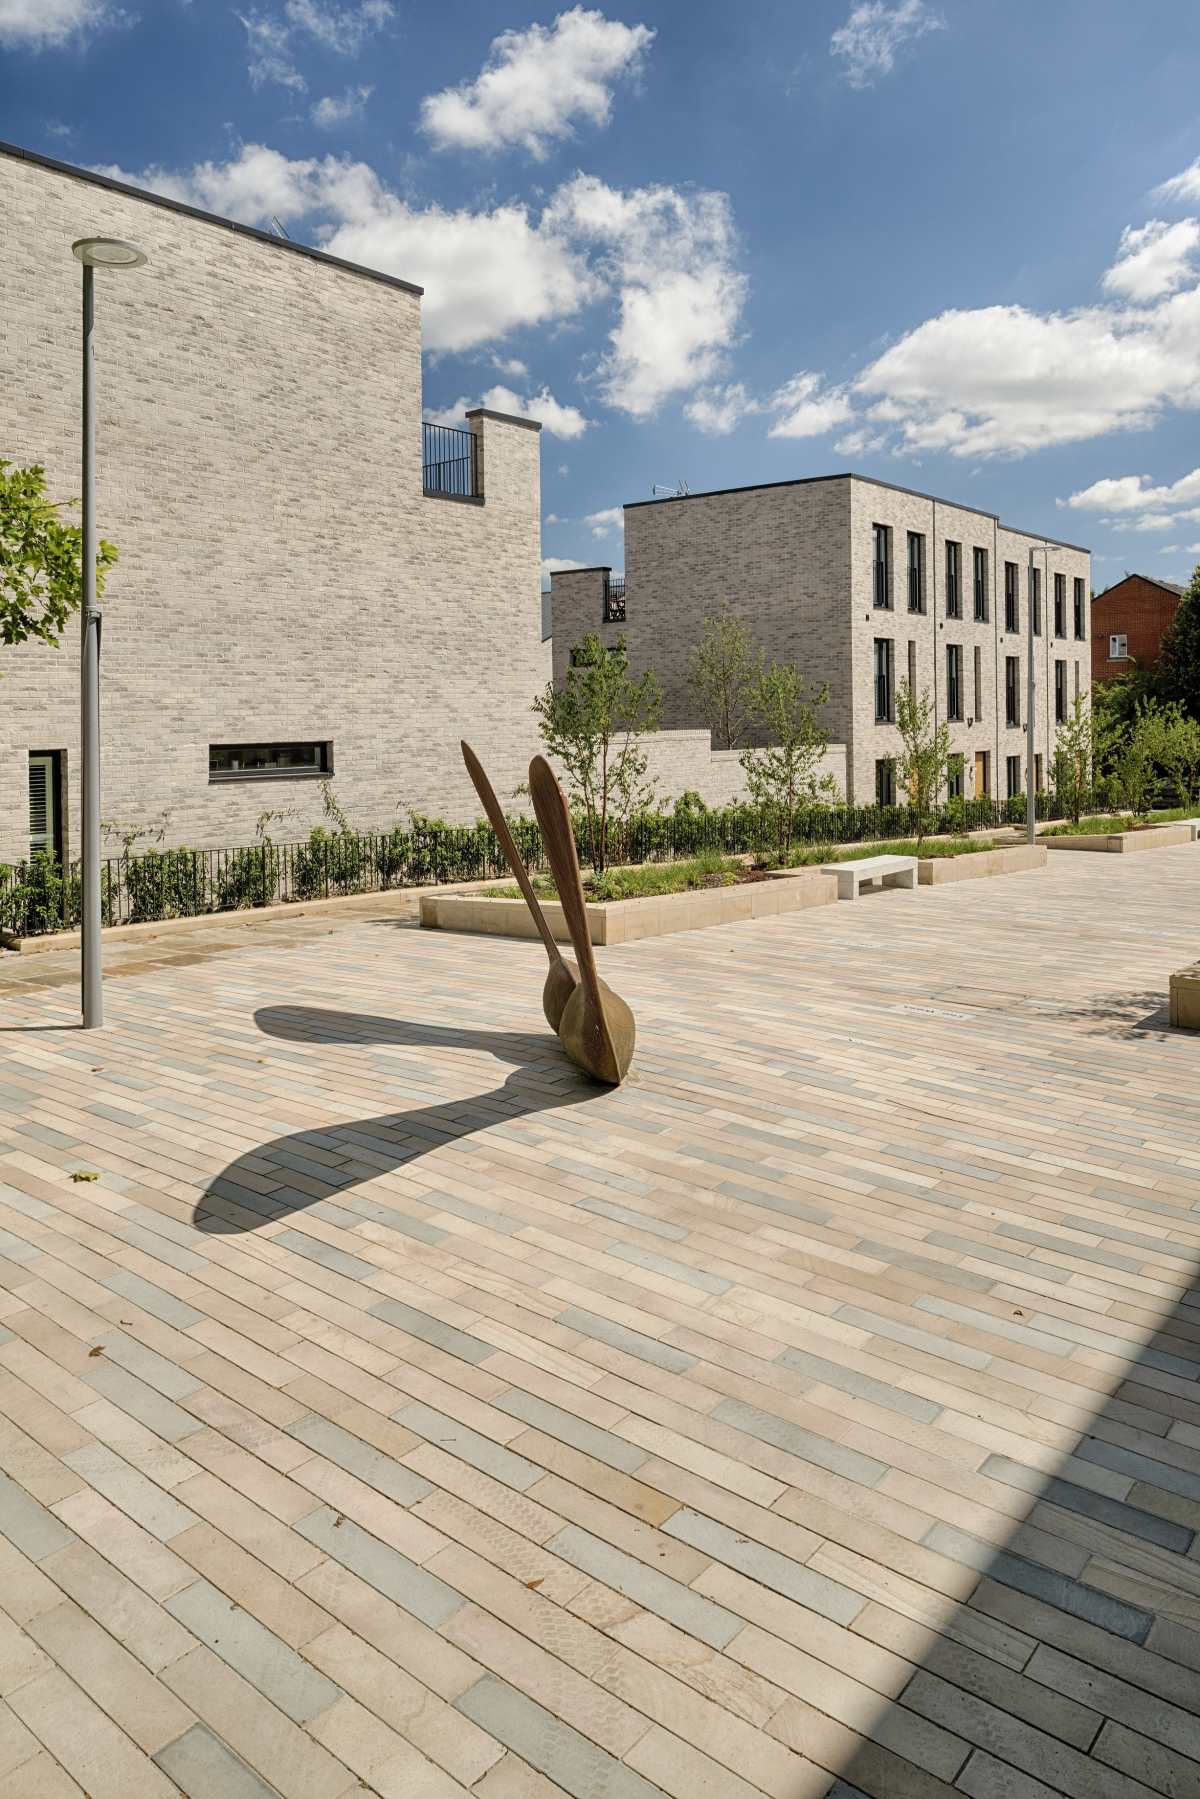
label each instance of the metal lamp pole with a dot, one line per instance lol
(93, 253)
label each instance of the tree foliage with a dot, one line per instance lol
(1179, 661)
(592, 728)
(1085, 743)
(722, 670)
(41, 559)
(784, 773)
(923, 765)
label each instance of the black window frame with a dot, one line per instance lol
(1012, 784)
(1035, 598)
(1012, 693)
(954, 683)
(1060, 691)
(916, 571)
(953, 579)
(1079, 602)
(320, 769)
(1012, 597)
(979, 583)
(881, 569)
(956, 775)
(885, 781)
(1060, 605)
(885, 681)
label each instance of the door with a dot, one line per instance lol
(45, 818)
(981, 772)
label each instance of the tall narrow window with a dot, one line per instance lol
(882, 566)
(978, 706)
(955, 772)
(1060, 605)
(1035, 598)
(45, 783)
(885, 782)
(1012, 766)
(1060, 693)
(979, 568)
(1012, 690)
(884, 681)
(953, 580)
(1076, 692)
(1012, 609)
(912, 665)
(916, 572)
(1080, 609)
(1038, 783)
(954, 681)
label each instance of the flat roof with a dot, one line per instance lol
(874, 481)
(206, 218)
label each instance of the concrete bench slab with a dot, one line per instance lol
(889, 871)
(1184, 1011)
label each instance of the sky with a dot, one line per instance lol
(954, 244)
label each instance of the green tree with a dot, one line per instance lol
(1179, 661)
(784, 773)
(924, 761)
(1136, 757)
(41, 559)
(1086, 742)
(721, 672)
(1178, 751)
(592, 727)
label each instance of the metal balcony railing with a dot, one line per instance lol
(449, 462)
(614, 601)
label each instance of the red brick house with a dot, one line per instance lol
(1129, 622)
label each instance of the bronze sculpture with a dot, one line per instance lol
(596, 1028)
(563, 976)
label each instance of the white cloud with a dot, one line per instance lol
(45, 24)
(268, 44)
(564, 468)
(270, 38)
(552, 518)
(1184, 186)
(606, 521)
(336, 109)
(664, 259)
(873, 33)
(1153, 259)
(1152, 521)
(536, 82)
(807, 408)
(553, 565)
(803, 407)
(861, 442)
(670, 258)
(1136, 493)
(560, 420)
(510, 365)
(720, 410)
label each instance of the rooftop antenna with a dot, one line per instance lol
(678, 492)
(278, 224)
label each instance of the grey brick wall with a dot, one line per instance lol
(281, 575)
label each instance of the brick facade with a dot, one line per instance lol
(282, 575)
(796, 559)
(1141, 610)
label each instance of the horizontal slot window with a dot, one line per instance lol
(265, 761)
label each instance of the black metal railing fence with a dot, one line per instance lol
(449, 461)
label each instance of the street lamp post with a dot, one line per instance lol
(1030, 701)
(94, 253)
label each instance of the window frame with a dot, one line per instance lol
(1060, 605)
(954, 683)
(884, 679)
(1013, 788)
(320, 770)
(1121, 655)
(1079, 605)
(1035, 598)
(1012, 598)
(953, 579)
(979, 584)
(916, 571)
(885, 765)
(881, 570)
(1060, 691)
(1012, 693)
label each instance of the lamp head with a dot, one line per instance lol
(107, 253)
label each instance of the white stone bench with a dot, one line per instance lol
(1193, 825)
(889, 871)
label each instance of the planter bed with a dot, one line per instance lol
(1123, 843)
(625, 921)
(933, 871)
(1184, 1010)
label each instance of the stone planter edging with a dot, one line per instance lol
(626, 921)
(1125, 843)
(935, 871)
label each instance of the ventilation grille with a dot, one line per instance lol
(41, 832)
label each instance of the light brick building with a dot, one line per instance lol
(1129, 621)
(288, 593)
(863, 585)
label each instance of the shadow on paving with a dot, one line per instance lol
(1073, 1667)
(317, 1170)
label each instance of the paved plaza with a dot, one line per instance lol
(385, 1410)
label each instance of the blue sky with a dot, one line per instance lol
(952, 243)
